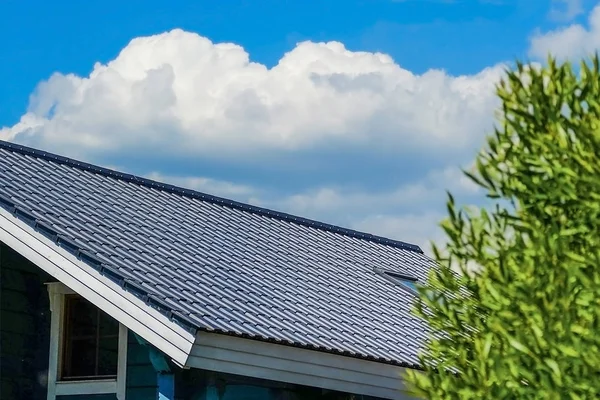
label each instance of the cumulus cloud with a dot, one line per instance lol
(207, 185)
(420, 228)
(182, 94)
(565, 10)
(330, 201)
(572, 41)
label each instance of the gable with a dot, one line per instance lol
(125, 307)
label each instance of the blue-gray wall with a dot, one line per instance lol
(141, 378)
(24, 328)
(197, 384)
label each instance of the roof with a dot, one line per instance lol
(217, 265)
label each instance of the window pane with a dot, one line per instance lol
(108, 325)
(108, 356)
(83, 317)
(410, 284)
(81, 359)
(91, 341)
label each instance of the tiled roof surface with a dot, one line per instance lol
(217, 265)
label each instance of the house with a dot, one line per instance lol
(118, 287)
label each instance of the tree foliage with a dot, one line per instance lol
(526, 325)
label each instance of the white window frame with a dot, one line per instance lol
(57, 292)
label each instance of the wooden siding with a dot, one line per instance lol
(196, 384)
(269, 361)
(24, 327)
(89, 397)
(141, 378)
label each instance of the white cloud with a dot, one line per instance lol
(565, 10)
(421, 228)
(207, 185)
(332, 202)
(572, 41)
(179, 93)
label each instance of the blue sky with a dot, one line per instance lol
(354, 112)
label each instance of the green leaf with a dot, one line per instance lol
(554, 367)
(519, 346)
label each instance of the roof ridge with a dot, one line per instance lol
(17, 148)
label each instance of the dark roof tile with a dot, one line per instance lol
(224, 266)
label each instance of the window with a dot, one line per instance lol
(407, 282)
(91, 341)
(88, 348)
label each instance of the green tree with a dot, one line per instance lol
(526, 325)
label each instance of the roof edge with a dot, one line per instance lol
(17, 148)
(100, 288)
(321, 349)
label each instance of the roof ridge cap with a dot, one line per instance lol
(28, 151)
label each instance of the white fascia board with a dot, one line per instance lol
(170, 338)
(247, 357)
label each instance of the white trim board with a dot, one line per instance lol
(228, 354)
(125, 307)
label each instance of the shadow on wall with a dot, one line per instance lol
(204, 385)
(24, 328)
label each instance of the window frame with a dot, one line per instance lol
(58, 387)
(68, 342)
(406, 282)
